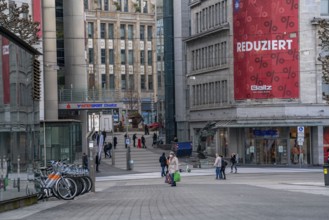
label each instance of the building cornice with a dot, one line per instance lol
(223, 27)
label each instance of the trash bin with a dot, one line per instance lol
(326, 174)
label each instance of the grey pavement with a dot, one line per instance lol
(253, 193)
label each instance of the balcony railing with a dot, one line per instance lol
(84, 95)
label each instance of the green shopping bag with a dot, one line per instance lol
(177, 177)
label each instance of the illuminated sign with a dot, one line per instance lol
(266, 51)
(75, 106)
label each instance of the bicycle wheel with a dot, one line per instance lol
(66, 188)
(89, 183)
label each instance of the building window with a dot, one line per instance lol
(103, 81)
(103, 56)
(130, 57)
(130, 32)
(143, 82)
(90, 30)
(111, 56)
(131, 82)
(125, 6)
(150, 81)
(123, 57)
(145, 7)
(123, 82)
(91, 55)
(85, 4)
(149, 57)
(142, 57)
(122, 31)
(102, 30)
(324, 7)
(112, 84)
(111, 31)
(142, 30)
(149, 33)
(159, 79)
(106, 5)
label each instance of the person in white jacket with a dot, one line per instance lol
(173, 167)
(218, 164)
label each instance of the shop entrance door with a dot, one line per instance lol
(271, 151)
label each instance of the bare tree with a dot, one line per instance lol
(16, 20)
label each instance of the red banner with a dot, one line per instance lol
(37, 15)
(5, 71)
(266, 59)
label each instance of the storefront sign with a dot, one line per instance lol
(69, 106)
(266, 133)
(266, 51)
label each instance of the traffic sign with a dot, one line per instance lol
(300, 139)
(300, 129)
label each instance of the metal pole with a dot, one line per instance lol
(300, 151)
(44, 144)
(112, 132)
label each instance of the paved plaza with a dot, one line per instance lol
(253, 193)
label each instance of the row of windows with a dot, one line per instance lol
(124, 55)
(128, 83)
(119, 5)
(129, 32)
(210, 56)
(211, 16)
(210, 93)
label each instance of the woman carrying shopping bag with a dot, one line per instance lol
(173, 167)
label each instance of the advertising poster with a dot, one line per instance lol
(266, 58)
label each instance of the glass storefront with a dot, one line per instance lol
(19, 119)
(276, 146)
(63, 141)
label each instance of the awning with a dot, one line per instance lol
(269, 123)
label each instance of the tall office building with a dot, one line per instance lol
(252, 70)
(107, 53)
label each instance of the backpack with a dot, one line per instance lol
(224, 163)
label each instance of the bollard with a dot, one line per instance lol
(128, 158)
(326, 174)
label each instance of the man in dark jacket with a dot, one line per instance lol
(134, 139)
(143, 141)
(163, 163)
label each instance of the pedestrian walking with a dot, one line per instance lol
(163, 163)
(217, 165)
(139, 143)
(143, 141)
(85, 161)
(173, 167)
(106, 150)
(126, 137)
(97, 161)
(155, 137)
(233, 163)
(146, 130)
(134, 139)
(222, 168)
(115, 142)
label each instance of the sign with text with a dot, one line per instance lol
(266, 51)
